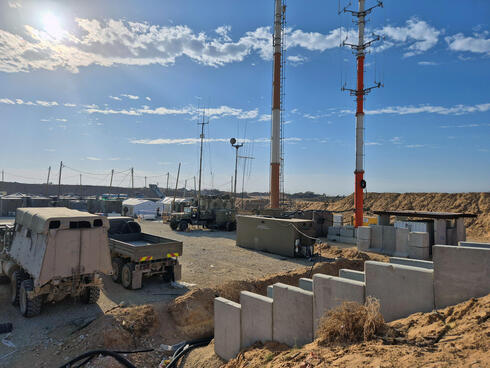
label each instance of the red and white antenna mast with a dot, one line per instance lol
(360, 92)
(279, 13)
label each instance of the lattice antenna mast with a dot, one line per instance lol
(279, 11)
(360, 92)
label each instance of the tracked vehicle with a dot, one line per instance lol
(51, 253)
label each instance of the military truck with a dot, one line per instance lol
(135, 254)
(213, 212)
(51, 253)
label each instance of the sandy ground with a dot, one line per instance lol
(209, 258)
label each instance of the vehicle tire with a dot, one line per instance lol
(90, 295)
(174, 225)
(168, 275)
(230, 226)
(29, 307)
(183, 225)
(117, 265)
(17, 278)
(127, 275)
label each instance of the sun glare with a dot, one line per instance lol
(52, 25)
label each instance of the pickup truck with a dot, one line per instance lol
(135, 254)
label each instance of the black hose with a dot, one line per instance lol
(187, 347)
(91, 354)
(117, 352)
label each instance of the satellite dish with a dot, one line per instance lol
(232, 141)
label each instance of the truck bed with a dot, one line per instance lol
(141, 245)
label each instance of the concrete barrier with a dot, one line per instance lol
(418, 245)
(270, 291)
(412, 262)
(347, 231)
(305, 284)
(401, 242)
(388, 240)
(292, 312)
(460, 273)
(401, 290)
(227, 328)
(256, 318)
(376, 237)
(351, 274)
(347, 240)
(363, 238)
(474, 244)
(331, 291)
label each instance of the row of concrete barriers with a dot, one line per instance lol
(291, 314)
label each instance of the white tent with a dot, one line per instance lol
(135, 207)
(167, 203)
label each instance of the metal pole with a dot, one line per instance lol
(276, 107)
(59, 180)
(81, 186)
(112, 177)
(132, 178)
(176, 186)
(145, 181)
(200, 161)
(47, 181)
(195, 191)
(168, 175)
(185, 187)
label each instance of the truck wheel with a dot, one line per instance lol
(90, 295)
(173, 225)
(17, 278)
(117, 265)
(230, 226)
(29, 307)
(183, 225)
(168, 275)
(127, 275)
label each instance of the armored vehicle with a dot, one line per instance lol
(212, 212)
(51, 253)
(135, 254)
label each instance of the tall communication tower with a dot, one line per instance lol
(360, 92)
(277, 100)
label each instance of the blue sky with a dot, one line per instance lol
(108, 85)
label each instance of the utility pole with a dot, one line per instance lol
(360, 92)
(200, 161)
(185, 187)
(59, 180)
(231, 190)
(168, 175)
(195, 191)
(279, 17)
(132, 178)
(237, 146)
(176, 187)
(49, 173)
(243, 177)
(81, 194)
(145, 181)
(112, 177)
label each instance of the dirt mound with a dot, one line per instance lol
(456, 336)
(193, 312)
(477, 203)
(351, 322)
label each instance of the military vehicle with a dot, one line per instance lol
(51, 253)
(213, 212)
(135, 254)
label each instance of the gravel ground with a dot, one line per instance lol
(209, 258)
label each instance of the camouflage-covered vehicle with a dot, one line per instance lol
(212, 213)
(51, 253)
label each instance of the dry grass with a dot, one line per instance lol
(351, 322)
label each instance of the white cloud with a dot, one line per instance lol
(297, 59)
(115, 98)
(373, 144)
(404, 110)
(417, 33)
(395, 140)
(15, 4)
(415, 145)
(69, 105)
(91, 158)
(131, 97)
(62, 120)
(120, 42)
(148, 98)
(472, 125)
(431, 63)
(7, 101)
(184, 141)
(50, 150)
(477, 44)
(46, 103)
(265, 117)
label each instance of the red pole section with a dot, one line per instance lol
(360, 84)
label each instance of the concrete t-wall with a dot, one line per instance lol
(227, 328)
(401, 290)
(256, 318)
(351, 274)
(331, 291)
(292, 315)
(460, 273)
